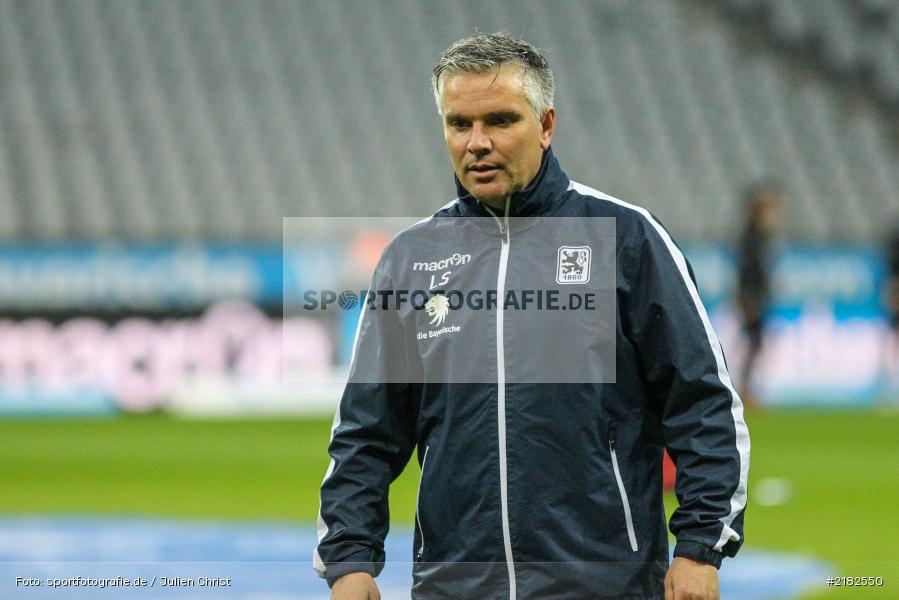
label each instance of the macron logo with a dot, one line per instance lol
(438, 265)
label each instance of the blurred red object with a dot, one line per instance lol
(366, 249)
(668, 473)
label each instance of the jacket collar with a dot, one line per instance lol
(538, 198)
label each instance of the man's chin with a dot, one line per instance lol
(493, 195)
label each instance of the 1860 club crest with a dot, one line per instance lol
(573, 264)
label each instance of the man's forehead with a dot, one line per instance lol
(505, 85)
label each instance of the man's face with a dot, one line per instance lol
(494, 139)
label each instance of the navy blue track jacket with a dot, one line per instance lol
(539, 490)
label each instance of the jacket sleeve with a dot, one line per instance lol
(371, 441)
(702, 415)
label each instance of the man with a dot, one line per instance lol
(763, 215)
(890, 362)
(533, 486)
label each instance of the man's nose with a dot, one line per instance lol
(479, 143)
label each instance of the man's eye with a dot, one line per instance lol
(457, 124)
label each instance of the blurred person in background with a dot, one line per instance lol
(891, 303)
(764, 213)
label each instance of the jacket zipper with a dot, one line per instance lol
(421, 533)
(501, 405)
(628, 519)
(501, 393)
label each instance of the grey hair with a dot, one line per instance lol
(485, 52)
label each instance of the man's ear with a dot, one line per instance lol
(548, 125)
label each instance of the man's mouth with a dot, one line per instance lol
(483, 169)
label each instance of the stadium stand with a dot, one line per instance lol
(212, 120)
(855, 39)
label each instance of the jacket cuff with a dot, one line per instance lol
(359, 562)
(698, 551)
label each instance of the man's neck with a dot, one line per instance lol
(497, 205)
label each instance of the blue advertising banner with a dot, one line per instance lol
(848, 278)
(826, 341)
(137, 277)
